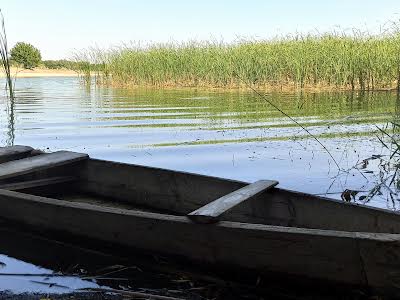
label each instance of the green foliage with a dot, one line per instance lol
(26, 55)
(356, 61)
(68, 64)
(58, 64)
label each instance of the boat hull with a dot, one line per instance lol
(132, 206)
(362, 259)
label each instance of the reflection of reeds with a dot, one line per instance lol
(5, 59)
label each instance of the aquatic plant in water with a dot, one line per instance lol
(5, 59)
(388, 177)
(5, 62)
(355, 60)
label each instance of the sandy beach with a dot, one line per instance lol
(18, 72)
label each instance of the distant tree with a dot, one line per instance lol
(59, 64)
(26, 55)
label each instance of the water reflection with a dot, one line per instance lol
(39, 269)
(231, 134)
(11, 122)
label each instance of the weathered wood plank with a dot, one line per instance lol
(39, 162)
(297, 251)
(211, 212)
(182, 193)
(14, 152)
(16, 186)
(179, 192)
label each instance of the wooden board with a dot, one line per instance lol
(39, 162)
(168, 190)
(211, 212)
(302, 252)
(14, 152)
(181, 193)
(16, 186)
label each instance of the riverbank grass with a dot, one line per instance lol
(356, 62)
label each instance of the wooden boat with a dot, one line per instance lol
(203, 219)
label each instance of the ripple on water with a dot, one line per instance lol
(229, 134)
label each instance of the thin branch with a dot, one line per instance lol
(291, 118)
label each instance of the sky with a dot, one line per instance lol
(61, 27)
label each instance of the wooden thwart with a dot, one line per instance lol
(14, 152)
(39, 162)
(16, 186)
(211, 212)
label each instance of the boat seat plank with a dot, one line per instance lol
(211, 212)
(16, 186)
(14, 152)
(38, 163)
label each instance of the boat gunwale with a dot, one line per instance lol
(378, 237)
(234, 181)
(278, 189)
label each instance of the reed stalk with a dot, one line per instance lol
(355, 61)
(5, 59)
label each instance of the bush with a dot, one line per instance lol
(26, 55)
(57, 64)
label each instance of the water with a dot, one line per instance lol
(40, 280)
(229, 134)
(48, 268)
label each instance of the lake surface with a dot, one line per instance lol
(228, 134)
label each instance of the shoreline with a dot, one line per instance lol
(279, 88)
(40, 72)
(282, 88)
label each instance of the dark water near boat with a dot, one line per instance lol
(228, 134)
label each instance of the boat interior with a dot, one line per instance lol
(74, 177)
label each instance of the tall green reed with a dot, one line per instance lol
(91, 62)
(358, 60)
(5, 58)
(6, 65)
